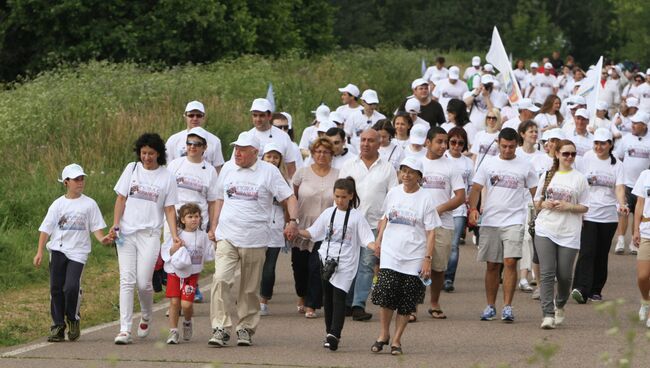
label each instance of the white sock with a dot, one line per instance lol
(621, 238)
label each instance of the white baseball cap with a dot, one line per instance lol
(246, 139)
(322, 113)
(272, 146)
(548, 66)
(534, 65)
(370, 96)
(527, 104)
(182, 262)
(487, 79)
(647, 72)
(288, 117)
(71, 171)
(632, 102)
(199, 132)
(640, 117)
(336, 118)
(350, 89)
(602, 135)
(194, 105)
(640, 74)
(261, 104)
(476, 61)
(326, 125)
(582, 113)
(556, 133)
(454, 72)
(602, 105)
(413, 163)
(418, 82)
(488, 68)
(412, 105)
(575, 100)
(418, 134)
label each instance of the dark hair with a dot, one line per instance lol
(187, 209)
(459, 108)
(548, 105)
(556, 165)
(440, 59)
(348, 184)
(385, 124)
(405, 115)
(154, 141)
(331, 132)
(434, 131)
(205, 143)
(458, 132)
(279, 116)
(523, 127)
(508, 134)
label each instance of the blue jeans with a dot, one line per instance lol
(360, 288)
(459, 227)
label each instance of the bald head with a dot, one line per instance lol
(369, 144)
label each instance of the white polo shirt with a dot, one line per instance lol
(445, 91)
(176, 148)
(277, 136)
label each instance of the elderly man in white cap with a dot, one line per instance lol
(634, 151)
(195, 117)
(350, 97)
(449, 88)
(543, 85)
(527, 111)
(265, 133)
(246, 188)
(474, 69)
(430, 110)
(360, 121)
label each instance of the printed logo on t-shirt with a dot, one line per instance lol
(336, 233)
(545, 85)
(402, 216)
(483, 149)
(504, 181)
(599, 179)
(433, 182)
(145, 192)
(73, 221)
(243, 191)
(196, 255)
(190, 183)
(466, 175)
(558, 194)
(637, 152)
(182, 152)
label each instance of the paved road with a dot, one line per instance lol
(286, 339)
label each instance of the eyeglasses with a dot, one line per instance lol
(283, 127)
(194, 143)
(192, 116)
(569, 154)
(491, 118)
(454, 142)
(322, 152)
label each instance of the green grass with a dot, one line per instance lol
(91, 115)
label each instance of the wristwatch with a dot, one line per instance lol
(294, 220)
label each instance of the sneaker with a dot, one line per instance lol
(187, 330)
(596, 298)
(57, 334)
(647, 323)
(535, 295)
(326, 344)
(548, 323)
(559, 316)
(73, 330)
(578, 297)
(264, 309)
(360, 314)
(198, 296)
(633, 248)
(507, 315)
(219, 338)
(123, 338)
(143, 328)
(643, 312)
(333, 342)
(449, 286)
(525, 286)
(172, 339)
(488, 313)
(244, 337)
(620, 246)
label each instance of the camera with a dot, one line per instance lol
(328, 269)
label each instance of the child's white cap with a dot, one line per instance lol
(182, 263)
(71, 171)
(272, 147)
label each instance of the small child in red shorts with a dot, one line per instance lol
(183, 265)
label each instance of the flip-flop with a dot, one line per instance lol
(413, 317)
(300, 308)
(437, 313)
(378, 346)
(311, 315)
(395, 350)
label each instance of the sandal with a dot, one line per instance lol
(413, 317)
(311, 315)
(395, 350)
(378, 346)
(437, 313)
(300, 308)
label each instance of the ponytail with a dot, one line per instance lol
(611, 156)
(348, 184)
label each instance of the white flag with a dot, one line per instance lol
(270, 96)
(590, 88)
(498, 57)
(423, 67)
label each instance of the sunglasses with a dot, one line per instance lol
(491, 117)
(283, 127)
(192, 116)
(454, 142)
(569, 154)
(195, 144)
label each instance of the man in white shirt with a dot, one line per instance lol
(265, 132)
(350, 98)
(474, 69)
(506, 178)
(527, 111)
(246, 187)
(446, 89)
(634, 151)
(481, 99)
(543, 85)
(194, 117)
(342, 151)
(435, 73)
(534, 67)
(447, 188)
(359, 121)
(373, 177)
(580, 135)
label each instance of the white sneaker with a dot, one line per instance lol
(643, 312)
(548, 323)
(535, 295)
(187, 330)
(143, 328)
(559, 316)
(620, 246)
(264, 309)
(525, 286)
(123, 338)
(633, 248)
(172, 339)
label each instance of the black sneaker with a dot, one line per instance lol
(332, 341)
(73, 330)
(57, 334)
(360, 314)
(449, 286)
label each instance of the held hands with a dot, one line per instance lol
(211, 235)
(291, 230)
(108, 238)
(472, 218)
(623, 210)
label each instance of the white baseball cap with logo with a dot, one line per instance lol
(261, 104)
(412, 105)
(71, 171)
(370, 96)
(194, 105)
(454, 73)
(350, 89)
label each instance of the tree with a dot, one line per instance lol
(531, 34)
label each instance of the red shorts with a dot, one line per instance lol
(181, 288)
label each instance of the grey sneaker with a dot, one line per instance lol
(219, 338)
(244, 337)
(57, 334)
(535, 295)
(187, 330)
(172, 339)
(73, 330)
(559, 316)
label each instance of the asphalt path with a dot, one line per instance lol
(288, 339)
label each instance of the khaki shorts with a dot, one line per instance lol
(497, 243)
(442, 249)
(644, 250)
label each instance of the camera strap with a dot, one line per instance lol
(331, 232)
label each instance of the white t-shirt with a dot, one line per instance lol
(309, 134)
(644, 97)
(521, 75)
(642, 190)
(471, 71)
(635, 153)
(602, 177)
(358, 234)
(372, 185)
(147, 193)
(176, 148)
(563, 228)
(199, 247)
(433, 74)
(248, 202)
(512, 123)
(359, 122)
(543, 120)
(485, 144)
(392, 153)
(346, 110)
(544, 85)
(196, 184)
(441, 181)
(478, 109)
(445, 91)
(506, 182)
(69, 223)
(583, 143)
(277, 136)
(464, 166)
(408, 152)
(404, 243)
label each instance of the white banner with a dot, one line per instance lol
(590, 88)
(498, 57)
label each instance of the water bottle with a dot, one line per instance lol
(119, 240)
(425, 281)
